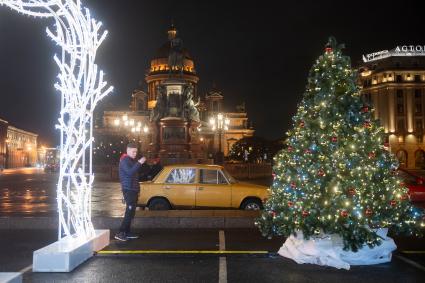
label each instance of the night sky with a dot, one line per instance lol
(259, 53)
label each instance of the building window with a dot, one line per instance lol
(402, 158)
(400, 125)
(417, 78)
(420, 159)
(367, 97)
(418, 102)
(400, 102)
(399, 79)
(419, 126)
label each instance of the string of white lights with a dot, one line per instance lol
(81, 85)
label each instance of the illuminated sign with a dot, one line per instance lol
(401, 50)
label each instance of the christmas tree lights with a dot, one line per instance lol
(335, 175)
(81, 85)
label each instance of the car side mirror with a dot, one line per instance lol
(419, 181)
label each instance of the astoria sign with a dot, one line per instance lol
(401, 50)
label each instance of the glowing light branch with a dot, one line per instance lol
(82, 87)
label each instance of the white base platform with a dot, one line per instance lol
(10, 277)
(328, 250)
(68, 253)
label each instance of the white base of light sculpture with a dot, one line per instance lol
(10, 277)
(68, 253)
(328, 250)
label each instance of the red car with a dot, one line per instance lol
(415, 184)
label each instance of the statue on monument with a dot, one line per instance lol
(189, 110)
(159, 111)
(241, 107)
(175, 57)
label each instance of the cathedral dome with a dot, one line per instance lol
(164, 51)
(159, 63)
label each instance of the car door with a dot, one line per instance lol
(213, 189)
(180, 187)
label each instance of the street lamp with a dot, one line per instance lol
(130, 125)
(219, 124)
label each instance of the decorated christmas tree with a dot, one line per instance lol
(335, 176)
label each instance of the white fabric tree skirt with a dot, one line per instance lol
(328, 250)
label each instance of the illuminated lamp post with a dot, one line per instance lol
(219, 125)
(81, 85)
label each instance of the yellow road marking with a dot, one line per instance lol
(413, 252)
(180, 252)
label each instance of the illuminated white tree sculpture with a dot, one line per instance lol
(81, 85)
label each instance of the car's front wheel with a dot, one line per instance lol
(159, 204)
(252, 204)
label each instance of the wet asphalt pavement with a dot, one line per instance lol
(31, 192)
(176, 266)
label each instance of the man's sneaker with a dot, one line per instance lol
(132, 236)
(121, 237)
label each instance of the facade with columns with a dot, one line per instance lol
(121, 123)
(18, 148)
(394, 83)
(3, 144)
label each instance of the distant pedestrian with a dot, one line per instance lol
(156, 167)
(129, 177)
(144, 172)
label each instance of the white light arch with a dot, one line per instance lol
(81, 85)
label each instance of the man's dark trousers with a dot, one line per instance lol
(130, 198)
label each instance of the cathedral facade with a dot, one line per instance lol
(171, 63)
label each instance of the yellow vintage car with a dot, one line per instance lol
(199, 186)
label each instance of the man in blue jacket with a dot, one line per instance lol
(129, 177)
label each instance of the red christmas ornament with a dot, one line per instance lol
(404, 196)
(393, 203)
(273, 213)
(368, 212)
(302, 124)
(352, 191)
(344, 213)
(289, 148)
(305, 213)
(321, 172)
(290, 203)
(334, 139)
(371, 155)
(386, 144)
(365, 109)
(328, 49)
(293, 185)
(308, 151)
(402, 184)
(367, 125)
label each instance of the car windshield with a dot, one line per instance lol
(228, 177)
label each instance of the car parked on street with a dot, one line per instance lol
(199, 186)
(415, 184)
(51, 167)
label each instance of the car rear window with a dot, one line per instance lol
(208, 176)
